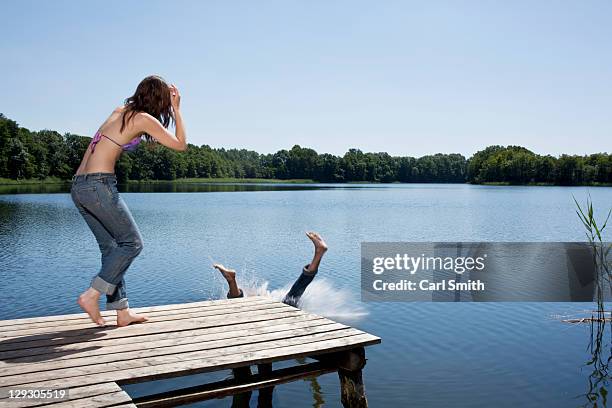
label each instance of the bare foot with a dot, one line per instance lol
(319, 244)
(228, 274)
(126, 317)
(89, 302)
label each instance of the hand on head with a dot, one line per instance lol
(175, 97)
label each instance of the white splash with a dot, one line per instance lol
(321, 297)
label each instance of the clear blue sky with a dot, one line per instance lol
(406, 77)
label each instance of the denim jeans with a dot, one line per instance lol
(299, 286)
(97, 199)
(292, 297)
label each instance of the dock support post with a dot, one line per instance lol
(352, 389)
(243, 399)
(264, 397)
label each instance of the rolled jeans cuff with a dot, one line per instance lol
(103, 286)
(118, 305)
(305, 271)
(234, 297)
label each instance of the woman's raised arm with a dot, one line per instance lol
(152, 127)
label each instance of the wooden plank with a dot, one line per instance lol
(229, 387)
(196, 362)
(72, 397)
(268, 355)
(99, 346)
(223, 311)
(146, 357)
(74, 393)
(181, 340)
(96, 401)
(125, 406)
(71, 336)
(86, 321)
(147, 309)
(137, 331)
(103, 400)
(205, 342)
(190, 314)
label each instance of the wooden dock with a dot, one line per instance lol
(67, 352)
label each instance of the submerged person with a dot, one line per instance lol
(292, 297)
(145, 115)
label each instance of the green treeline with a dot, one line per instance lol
(25, 154)
(517, 165)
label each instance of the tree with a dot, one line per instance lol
(26, 154)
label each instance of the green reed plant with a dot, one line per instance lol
(601, 250)
(600, 350)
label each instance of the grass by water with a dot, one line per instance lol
(55, 180)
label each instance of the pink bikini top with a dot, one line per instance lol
(128, 146)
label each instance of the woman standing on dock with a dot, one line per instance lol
(147, 114)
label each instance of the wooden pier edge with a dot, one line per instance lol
(184, 339)
(348, 365)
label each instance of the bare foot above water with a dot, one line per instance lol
(317, 240)
(89, 302)
(228, 274)
(125, 317)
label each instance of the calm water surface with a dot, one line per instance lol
(432, 355)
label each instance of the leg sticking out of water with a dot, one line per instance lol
(308, 273)
(320, 248)
(89, 302)
(230, 277)
(127, 316)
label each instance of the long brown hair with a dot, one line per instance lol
(153, 97)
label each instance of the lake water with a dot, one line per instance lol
(432, 355)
